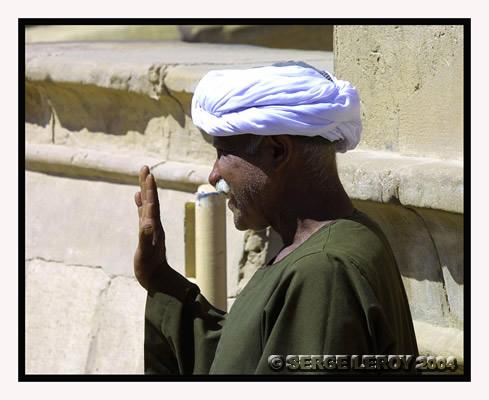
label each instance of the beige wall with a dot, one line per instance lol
(410, 80)
(96, 112)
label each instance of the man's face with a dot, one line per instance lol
(247, 180)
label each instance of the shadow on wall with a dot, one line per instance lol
(429, 249)
(303, 37)
(96, 109)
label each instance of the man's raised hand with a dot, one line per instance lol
(150, 256)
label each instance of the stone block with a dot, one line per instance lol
(447, 233)
(369, 175)
(439, 341)
(118, 341)
(413, 181)
(86, 115)
(307, 37)
(438, 185)
(259, 248)
(188, 144)
(91, 222)
(417, 259)
(61, 304)
(147, 67)
(132, 96)
(91, 231)
(310, 37)
(67, 33)
(410, 80)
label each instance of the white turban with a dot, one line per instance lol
(293, 98)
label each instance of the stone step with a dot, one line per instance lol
(122, 167)
(71, 33)
(132, 96)
(146, 67)
(306, 37)
(366, 175)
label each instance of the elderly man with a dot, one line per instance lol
(334, 287)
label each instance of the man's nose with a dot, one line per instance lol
(214, 176)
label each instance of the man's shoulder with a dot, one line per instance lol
(351, 239)
(356, 238)
(348, 248)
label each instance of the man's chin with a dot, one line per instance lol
(239, 224)
(242, 225)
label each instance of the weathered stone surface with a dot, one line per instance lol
(118, 341)
(143, 67)
(91, 222)
(439, 341)
(307, 37)
(438, 185)
(188, 144)
(414, 181)
(254, 255)
(37, 134)
(93, 117)
(116, 120)
(65, 33)
(424, 275)
(259, 248)
(417, 258)
(410, 80)
(131, 96)
(129, 105)
(120, 168)
(75, 221)
(447, 233)
(375, 176)
(61, 303)
(310, 37)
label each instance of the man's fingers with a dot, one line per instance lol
(143, 174)
(152, 201)
(139, 203)
(148, 209)
(152, 208)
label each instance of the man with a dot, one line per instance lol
(333, 288)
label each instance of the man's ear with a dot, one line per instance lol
(281, 148)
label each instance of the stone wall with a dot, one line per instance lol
(304, 37)
(410, 80)
(96, 112)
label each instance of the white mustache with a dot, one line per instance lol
(223, 187)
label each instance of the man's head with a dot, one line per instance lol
(264, 171)
(276, 130)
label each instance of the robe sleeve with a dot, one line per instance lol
(325, 306)
(182, 328)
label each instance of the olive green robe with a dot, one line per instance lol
(339, 292)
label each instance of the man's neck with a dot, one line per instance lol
(299, 216)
